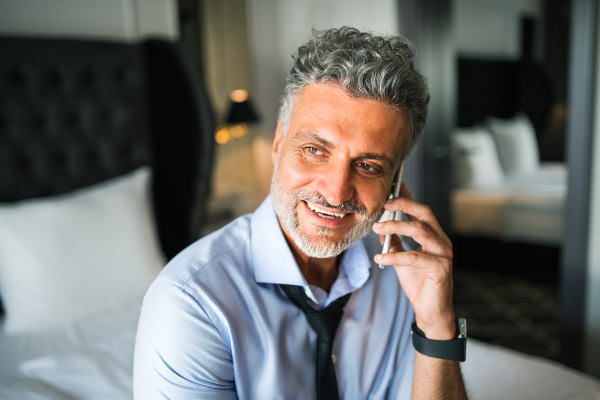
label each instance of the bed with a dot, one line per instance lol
(501, 189)
(90, 211)
(105, 160)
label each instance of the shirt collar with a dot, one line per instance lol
(274, 263)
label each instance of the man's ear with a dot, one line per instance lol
(277, 142)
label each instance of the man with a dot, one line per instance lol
(233, 315)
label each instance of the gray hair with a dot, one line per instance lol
(365, 65)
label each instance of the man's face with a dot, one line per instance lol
(334, 168)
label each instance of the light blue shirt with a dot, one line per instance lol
(216, 325)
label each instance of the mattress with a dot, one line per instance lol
(525, 209)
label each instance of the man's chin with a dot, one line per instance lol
(324, 235)
(321, 245)
(320, 251)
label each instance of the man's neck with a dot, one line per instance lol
(320, 272)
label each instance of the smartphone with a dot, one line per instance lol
(392, 216)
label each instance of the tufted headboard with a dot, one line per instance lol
(74, 113)
(501, 88)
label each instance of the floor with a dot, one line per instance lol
(509, 312)
(516, 307)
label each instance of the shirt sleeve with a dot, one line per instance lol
(401, 385)
(179, 353)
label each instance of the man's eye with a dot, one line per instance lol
(367, 167)
(314, 150)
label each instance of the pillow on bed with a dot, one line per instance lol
(517, 144)
(475, 159)
(71, 255)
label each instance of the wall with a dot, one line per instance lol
(592, 316)
(226, 66)
(491, 28)
(91, 19)
(277, 28)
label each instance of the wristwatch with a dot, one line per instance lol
(455, 349)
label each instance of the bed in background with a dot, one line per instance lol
(104, 166)
(105, 159)
(501, 189)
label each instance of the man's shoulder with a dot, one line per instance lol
(215, 253)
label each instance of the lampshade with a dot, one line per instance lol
(241, 110)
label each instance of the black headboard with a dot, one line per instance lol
(485, 88)
(71, 114)
(74, 113)
(501, 88)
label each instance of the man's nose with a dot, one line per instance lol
(336, 184)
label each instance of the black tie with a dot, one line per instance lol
(325, 322)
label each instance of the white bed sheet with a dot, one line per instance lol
(85, 333)
(102, 370)
(95, 362)
(524, 208)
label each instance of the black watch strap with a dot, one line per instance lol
(455, 350)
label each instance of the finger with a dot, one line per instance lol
(418, 212)
(424, 214)
(417, 230)
(396, 245)
(436, 267)
(393, 244)
(396, 248)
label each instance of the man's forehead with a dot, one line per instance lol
(322, 102)
(327, 114)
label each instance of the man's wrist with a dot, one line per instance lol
(445, 330)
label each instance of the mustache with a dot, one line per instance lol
(350, 206)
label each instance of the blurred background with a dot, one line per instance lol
(509, 162)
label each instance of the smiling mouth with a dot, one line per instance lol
(325, 214)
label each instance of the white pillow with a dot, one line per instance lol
(475, 159)
(517, 144)
(71, 255)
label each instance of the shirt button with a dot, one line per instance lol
(307, 292)
(333, 358)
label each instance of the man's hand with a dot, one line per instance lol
(426, 273)
(426, 277)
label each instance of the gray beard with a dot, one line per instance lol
(285, 204)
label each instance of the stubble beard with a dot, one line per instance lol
(286, 202)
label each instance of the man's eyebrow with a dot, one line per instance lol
(315, 138)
